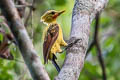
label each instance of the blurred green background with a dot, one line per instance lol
(109, 36)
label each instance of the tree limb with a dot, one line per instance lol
(24, 43)
(95, 34)
(83, 13)
(101, 61)
(22, 6)
(95, 42)
(30, 13)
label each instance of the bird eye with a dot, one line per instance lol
(52, 12)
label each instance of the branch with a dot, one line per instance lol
(101, 61)
(24, 43)
(95, 42)
(22, 6)
(30, 13)
(95, 35)
(83, 13)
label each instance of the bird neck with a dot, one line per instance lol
(54, 22)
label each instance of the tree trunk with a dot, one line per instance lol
(84, 12)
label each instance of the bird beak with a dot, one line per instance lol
(60, 12)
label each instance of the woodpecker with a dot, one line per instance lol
(53, 37)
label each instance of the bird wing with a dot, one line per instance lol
(50, 38)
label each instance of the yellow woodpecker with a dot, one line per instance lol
(53, 37)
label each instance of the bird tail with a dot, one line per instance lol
(55, 64)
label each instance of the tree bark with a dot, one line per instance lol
(84, 12)
(24, 43)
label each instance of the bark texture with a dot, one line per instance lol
(25, 45)
(84, 12)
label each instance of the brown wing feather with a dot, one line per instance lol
(50, 39)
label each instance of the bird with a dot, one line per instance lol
(53, 37)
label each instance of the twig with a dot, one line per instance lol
(95, 35)
(22, 6)
(30, 13)
(95, 42)
(101, 61)
(32, 30)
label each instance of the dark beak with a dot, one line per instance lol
(60, 12)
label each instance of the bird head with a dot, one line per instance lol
(51, 16)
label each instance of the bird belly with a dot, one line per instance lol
(56, 48)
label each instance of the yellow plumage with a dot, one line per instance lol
(50, 19)
(59, 42)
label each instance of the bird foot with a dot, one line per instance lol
(70, 45)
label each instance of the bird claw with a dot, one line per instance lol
(70, 45)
